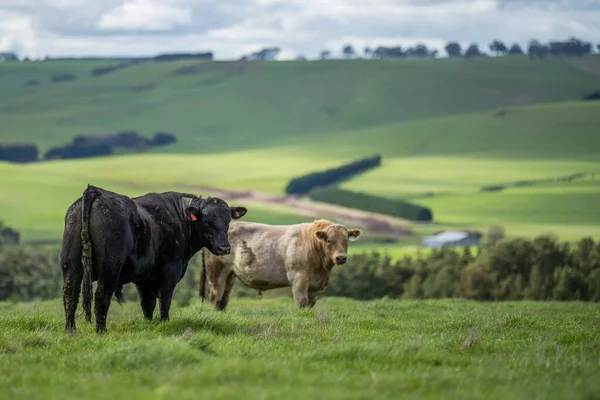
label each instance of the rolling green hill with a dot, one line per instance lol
(224, 106)
(449, 183)
(553, 132)
(256, 125)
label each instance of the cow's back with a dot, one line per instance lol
(260, 253)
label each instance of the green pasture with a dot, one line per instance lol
(341, 349)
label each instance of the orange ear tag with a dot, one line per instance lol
(193, 217)
(236, 213)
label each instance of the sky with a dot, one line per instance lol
(232, 28)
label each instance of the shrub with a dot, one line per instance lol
(29, 272)
(397, 208)
(98, 71)
(595, 95)
(495, 234)
(163, 139)
(63, 78)
(8, 235)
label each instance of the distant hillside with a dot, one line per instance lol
(223, 106)
(445, 128)
(440, 163)
(555, 131)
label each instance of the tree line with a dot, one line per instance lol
(535, 182)
(535, 49)
(518, 269)
(543, 269)
(304, 184)
(362, 201)
(98, 145)
(83, 146)
(573, 47)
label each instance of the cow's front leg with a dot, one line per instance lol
(171, 275)
(300, 290)
(312, 298)
(166, 295)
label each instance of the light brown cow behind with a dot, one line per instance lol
(267, 257)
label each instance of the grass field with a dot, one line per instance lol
(256, 125)
(341, 349)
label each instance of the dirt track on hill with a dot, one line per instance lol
(376, 223)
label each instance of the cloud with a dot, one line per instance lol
(16, 33)
(147, 15)
(235, 27)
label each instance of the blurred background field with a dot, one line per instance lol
(445, 128)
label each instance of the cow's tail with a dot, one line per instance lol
(88, 197)
(203, 276)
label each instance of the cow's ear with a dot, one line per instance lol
(322, 235)
(193, 213)
(238, 212)
(353, 234)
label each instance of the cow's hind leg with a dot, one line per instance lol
(147, 300)
(221, 304)
(108, 277)
(72, 268)
(72, 277)
(217, 275)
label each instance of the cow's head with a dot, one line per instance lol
(210, 220)
(335, 242)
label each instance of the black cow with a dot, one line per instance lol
(147, 240)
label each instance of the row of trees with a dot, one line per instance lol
(538, 269)
(536, 182)
(305, 183)
(13, 56)
(518, 269)
(362, 201)
(18, 153)
(86, 146)
(573, 47)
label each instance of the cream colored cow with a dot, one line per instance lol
(267, 257)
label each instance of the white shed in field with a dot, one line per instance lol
(451, 239)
